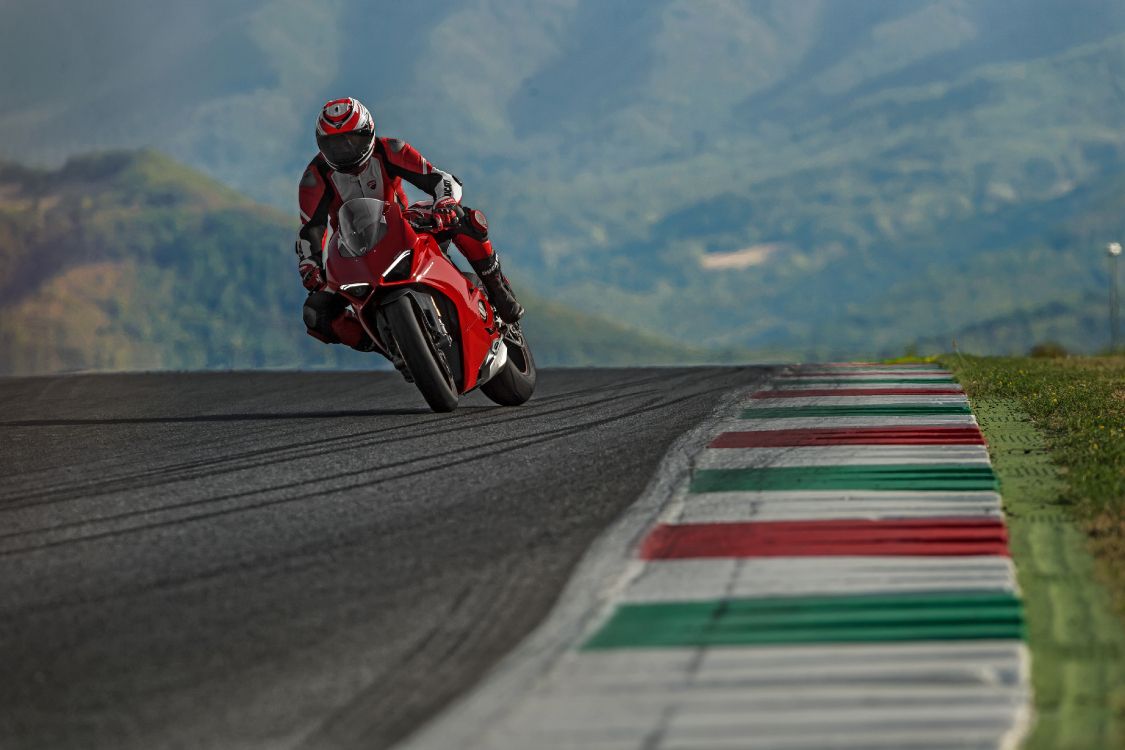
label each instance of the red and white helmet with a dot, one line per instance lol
(345, 133)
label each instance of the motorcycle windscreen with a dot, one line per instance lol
(363, 224)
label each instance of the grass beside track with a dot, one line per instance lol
(1079, 404)
(1056, 432)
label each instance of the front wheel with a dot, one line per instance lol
(425, 362)
(516, 382)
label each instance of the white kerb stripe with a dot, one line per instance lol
(722, 578)
(736, 507)
(797, 422)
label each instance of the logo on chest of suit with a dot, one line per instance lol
(366, 184)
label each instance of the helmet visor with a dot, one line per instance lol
(344, 150)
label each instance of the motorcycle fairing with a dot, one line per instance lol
(431, 272)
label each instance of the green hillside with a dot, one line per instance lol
(821, 177)
(128, 260)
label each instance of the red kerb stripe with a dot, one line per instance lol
(923, 537)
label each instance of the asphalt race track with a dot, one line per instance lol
(315, 560)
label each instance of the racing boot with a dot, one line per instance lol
(497, 288)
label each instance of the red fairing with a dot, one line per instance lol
(343, 270)
(430, 270)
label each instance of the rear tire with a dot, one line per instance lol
(514, 384)
(421, 355)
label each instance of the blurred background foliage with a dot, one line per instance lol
(770, 178)
(128, 260)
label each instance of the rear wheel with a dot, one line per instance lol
(514, 384)
(424, 360)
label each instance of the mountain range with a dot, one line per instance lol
(809, 177)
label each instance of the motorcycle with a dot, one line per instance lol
(431, 320)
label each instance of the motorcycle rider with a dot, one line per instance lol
(354, 163)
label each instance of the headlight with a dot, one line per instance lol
(399, 269)
(359, 291)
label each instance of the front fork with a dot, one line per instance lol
(431, 321)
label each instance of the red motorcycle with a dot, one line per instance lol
(433, 322)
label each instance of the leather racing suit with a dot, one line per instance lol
(323, 190)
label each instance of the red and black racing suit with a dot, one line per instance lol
(323, 190)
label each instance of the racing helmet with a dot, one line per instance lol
(345, 133)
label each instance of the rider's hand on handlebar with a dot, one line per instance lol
(311, 276)
(447, 213)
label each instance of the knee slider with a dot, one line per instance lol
(476, 223)
(312, 319)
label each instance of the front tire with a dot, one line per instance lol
(421, 355)
(514, 384)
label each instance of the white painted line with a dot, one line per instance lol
(915, 694)
(840, 455)
(804, 423)
(720, 578)
(735, 507)
(958, 729)
(870, 512)
(881, 372)
(964, 663)
(741, 713)
(845, 377)
(892, 367)
(788, 385)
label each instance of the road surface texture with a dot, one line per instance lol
(264, 560)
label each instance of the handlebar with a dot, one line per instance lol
(428, 225)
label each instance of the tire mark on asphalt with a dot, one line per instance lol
(85, 489)
(471, 454)
(304, 622)
(211, 469)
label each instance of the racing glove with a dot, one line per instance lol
(447, 213)
(312, 277)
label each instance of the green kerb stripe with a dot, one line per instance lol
(920, 477)
(814, 619)
(859, 410)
